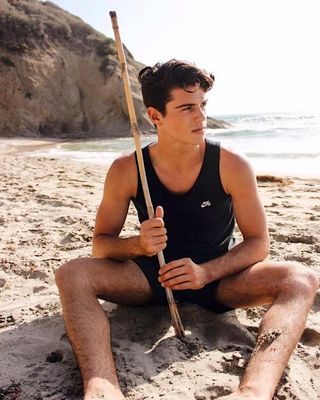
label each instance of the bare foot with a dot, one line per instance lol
(116, 395)
(101, 389)
(242, 395)
(101, 396)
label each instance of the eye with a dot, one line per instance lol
(204, 104)
(188, 108)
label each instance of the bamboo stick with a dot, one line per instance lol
(176, 321)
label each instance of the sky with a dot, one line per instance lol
(264, 53)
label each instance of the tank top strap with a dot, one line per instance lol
(210, 173)
(150, 172)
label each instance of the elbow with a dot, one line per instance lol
(101, 245)
(96, 253)
(265, 252)
(264, 248)
(260, 248)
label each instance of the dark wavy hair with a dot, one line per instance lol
(158, 81)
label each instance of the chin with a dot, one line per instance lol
(199, 136)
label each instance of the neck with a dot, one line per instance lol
(176, 155)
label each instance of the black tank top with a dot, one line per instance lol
(199, 222)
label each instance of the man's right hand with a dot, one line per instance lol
(153, 234)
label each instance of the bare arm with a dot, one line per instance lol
(120, 186)
(239, 181)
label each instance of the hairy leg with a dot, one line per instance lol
(81, 282)
(289, 289)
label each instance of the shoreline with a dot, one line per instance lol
(40, 148)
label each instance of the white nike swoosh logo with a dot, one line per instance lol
(206, 204)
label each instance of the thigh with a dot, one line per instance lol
(118, 282)
(256, 285)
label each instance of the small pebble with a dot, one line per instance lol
(55, 356)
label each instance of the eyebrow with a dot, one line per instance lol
(190, 104)
(185, 105)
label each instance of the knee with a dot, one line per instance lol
(71, 275)
(299, 280)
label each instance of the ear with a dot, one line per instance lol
(154, 115)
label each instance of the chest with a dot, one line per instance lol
(178, 181)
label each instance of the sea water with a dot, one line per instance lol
(276, 143)
(286, 144)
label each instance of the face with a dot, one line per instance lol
(185, 119)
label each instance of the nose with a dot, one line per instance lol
(201, 114)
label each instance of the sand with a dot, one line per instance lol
(48, 209)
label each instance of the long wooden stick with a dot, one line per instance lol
(176, 321)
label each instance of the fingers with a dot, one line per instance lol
(153, 241)
(159, 212)
(173, 264)
(177, 282)
(153, 234)
(182, 274)
(174, 273)
(155, 222)
(182, 286)
(156, 231)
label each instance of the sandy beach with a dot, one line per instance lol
(47, 213)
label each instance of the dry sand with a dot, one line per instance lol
(48, 208)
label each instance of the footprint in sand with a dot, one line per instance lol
(66, 220)
(58, 203)
(310, 337)
(6, 321)
(295, 239)
(304, 259)
(213, 392)
(47, 395)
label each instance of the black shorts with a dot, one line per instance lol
(204, 297)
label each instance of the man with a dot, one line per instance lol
(198, 188)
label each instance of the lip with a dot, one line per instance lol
(201, 129)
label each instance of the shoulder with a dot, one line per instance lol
(122, 175)
(235, 170)
(231, 160)
(123, 163)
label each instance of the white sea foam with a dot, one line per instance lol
(286, 144)
(276, 143)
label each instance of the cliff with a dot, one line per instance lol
(60, 78)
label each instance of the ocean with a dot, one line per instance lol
(283, 144)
